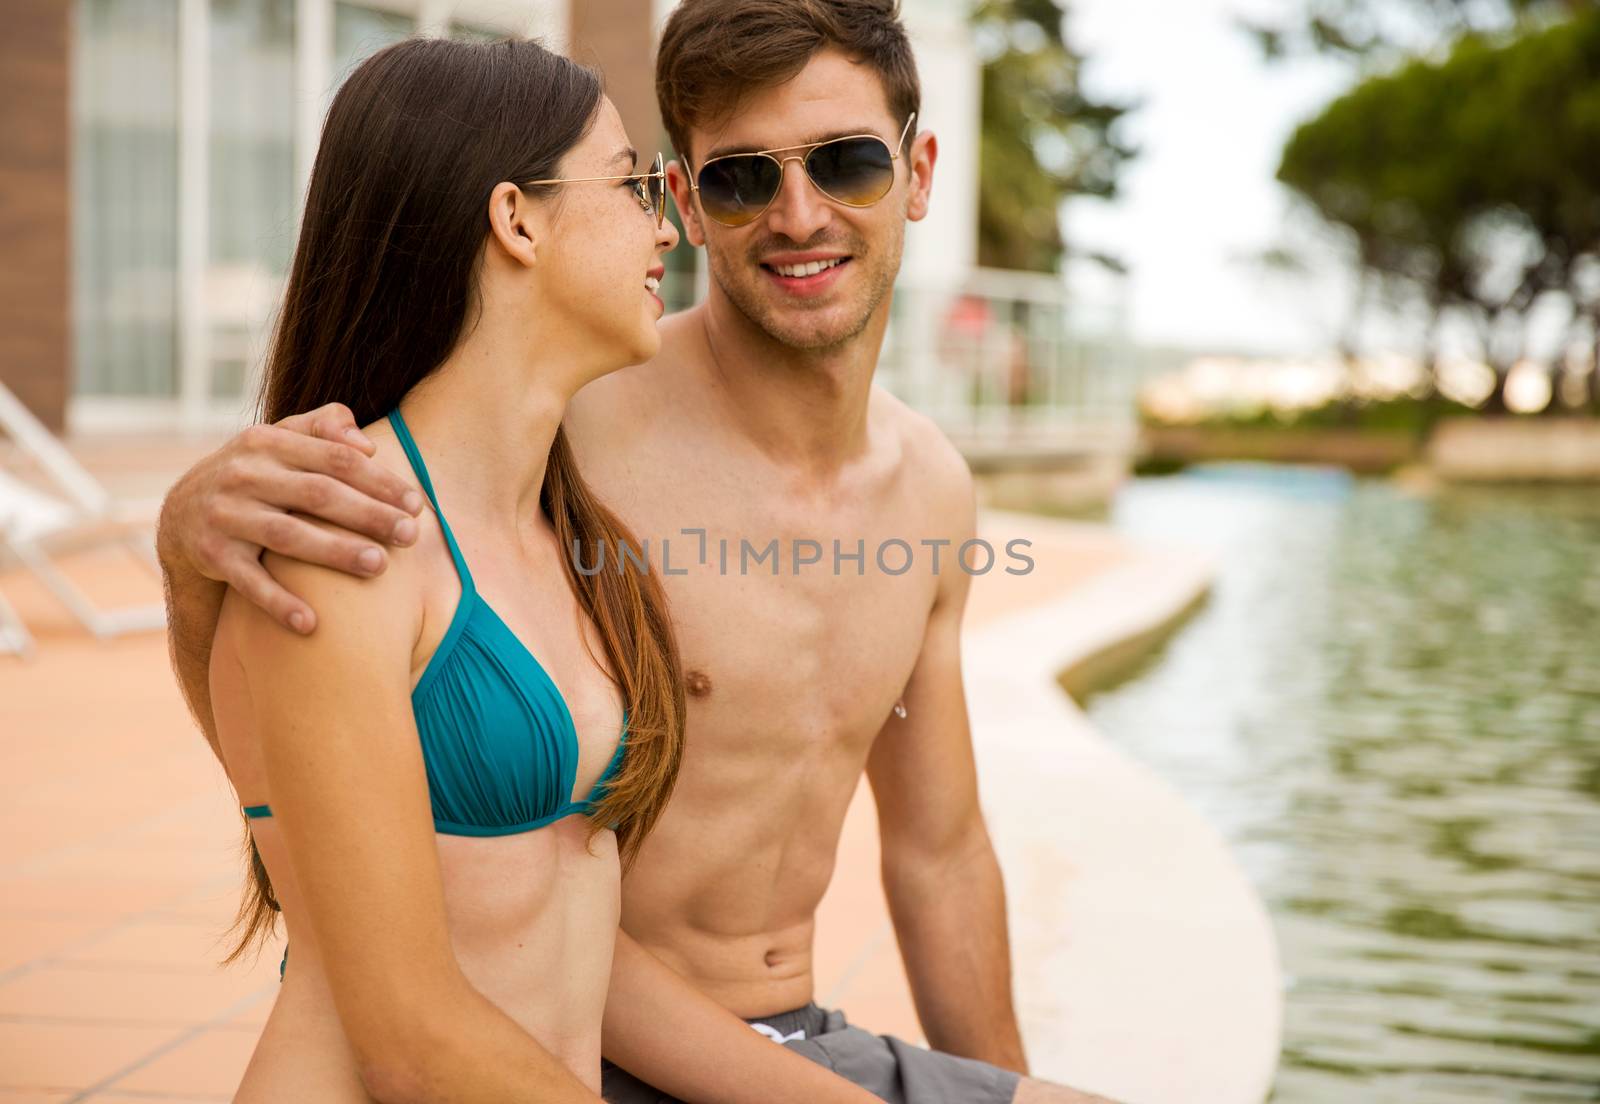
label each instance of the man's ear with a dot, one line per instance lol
(923, 153)
(683, 196)
(516, 223)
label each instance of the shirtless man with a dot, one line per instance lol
(758, 422)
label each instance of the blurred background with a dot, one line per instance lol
(1311, 287)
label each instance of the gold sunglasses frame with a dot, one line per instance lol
(809, 148)
(658, 171)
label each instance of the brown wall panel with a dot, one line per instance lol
(618, 37)
(35, 189)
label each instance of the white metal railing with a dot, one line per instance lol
(1000, 359)
(1011, 357)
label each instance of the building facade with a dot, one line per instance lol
(153, 158)
(154, 155)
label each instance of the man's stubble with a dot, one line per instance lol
(877, 270)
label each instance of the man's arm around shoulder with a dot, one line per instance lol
(245, 498)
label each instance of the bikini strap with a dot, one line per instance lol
(407, 442)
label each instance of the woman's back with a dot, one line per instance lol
(531, 900)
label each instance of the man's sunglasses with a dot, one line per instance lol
(649, 188)
(857, 171)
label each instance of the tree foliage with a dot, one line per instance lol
(1473, 181)
(1043, 138)
(1375, 34)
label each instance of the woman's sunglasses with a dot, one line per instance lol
(649, 188)
(857, 171)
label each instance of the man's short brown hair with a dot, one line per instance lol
(715, 52)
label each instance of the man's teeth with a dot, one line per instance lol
(810, 269)
(652, 283)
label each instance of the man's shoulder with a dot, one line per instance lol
(927, 459)
(597, 403)
(624, 400)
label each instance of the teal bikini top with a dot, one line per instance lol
(497, 737)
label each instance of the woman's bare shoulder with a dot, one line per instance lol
(387, 607)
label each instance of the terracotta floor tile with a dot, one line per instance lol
(253, 1018)
(210, 1064)
(1059, 563)
(856, 960)
(87, 898)
(204, 865)
(26, 939)
(216, 906)
(874, 994)
(96, 806)
(201, 924)
(70, 1056)
(217, 829)
(23, 838)
(37, 838)
(136, 996)
(208, 812)
(172, 945)
(262, 969)
(152, 1098)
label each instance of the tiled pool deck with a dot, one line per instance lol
(119, 864)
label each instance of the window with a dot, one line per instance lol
(474, 32)
(360, 32)
(125, 198)
(250, 182)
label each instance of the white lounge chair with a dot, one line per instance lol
(35, 523)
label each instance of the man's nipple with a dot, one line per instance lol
(697, 682)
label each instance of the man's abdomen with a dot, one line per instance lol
(728, 899)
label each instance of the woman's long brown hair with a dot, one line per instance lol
(383, 286)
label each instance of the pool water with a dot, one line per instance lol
(1390, 706)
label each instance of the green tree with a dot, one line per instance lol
(1376, 34)
(1473, 181)
(1043, 138)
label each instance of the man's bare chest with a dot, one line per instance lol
(804, 621)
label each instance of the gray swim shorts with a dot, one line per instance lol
(883, 1065)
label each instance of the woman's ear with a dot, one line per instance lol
(683, 196)
(516, 223)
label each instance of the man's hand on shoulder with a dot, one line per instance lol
(247, 497)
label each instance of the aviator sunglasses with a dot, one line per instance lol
(649, 188)
(856, 170)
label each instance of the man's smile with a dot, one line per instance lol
(805, 274)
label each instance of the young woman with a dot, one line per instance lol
(446, 778)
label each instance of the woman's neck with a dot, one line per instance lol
(487, 422)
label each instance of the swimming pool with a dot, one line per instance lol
(1391, 708)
